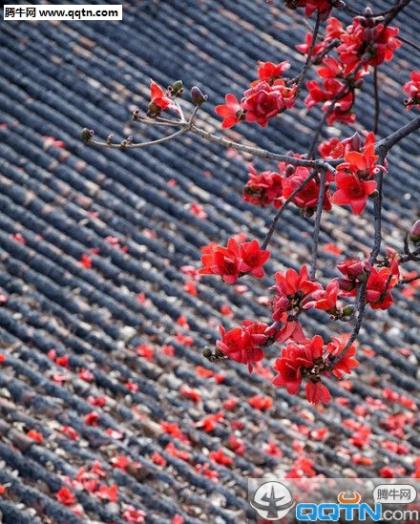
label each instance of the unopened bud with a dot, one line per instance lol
(87, 134)
(109, 139)
(348, 311)
(207, 353)
(153, 110)
(136, 114)
(290, 169)
(375, 194)
(415, 232)
(177, 88)
(197, 96)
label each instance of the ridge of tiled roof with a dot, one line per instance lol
(61, 201)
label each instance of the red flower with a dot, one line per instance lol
(379, 286)
(261, 402)
(36, 436)
(332, 148)
(292, 291)
(158, 96)
(412, 88)
(268, 72)
(312, 360)
(252, 258)
(244, 343)
(92, 418)
(347, 361)
(264, 101)
(65, 496)
(317, 392)
(133, 515)
(364, 162)
(294, 358)
(238, 257)
(363, 44)
(221, 458)
(352, 269)
(325, 299)
(109, 493)
(352, 191)
(307, 197)
(231, 112)
(263, 189)
(322, 6)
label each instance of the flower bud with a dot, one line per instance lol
(415, 232)
(177, 88)
(153, 110)
(87, 134)
(348, 311)
(197, 96)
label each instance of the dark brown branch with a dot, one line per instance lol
(377, 101)
(280, 211)
(308, 62)
(409, 42)
(317, 225)
(395, 11)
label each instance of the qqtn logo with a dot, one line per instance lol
(272, 500)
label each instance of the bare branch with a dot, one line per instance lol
(308, 62)
(317, 225)
(280, 211)
(377, 102)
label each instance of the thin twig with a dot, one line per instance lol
(317, 225)
(409, 42)
(280, 211)
(377, 101)
(262, 153)
(308, 61)
(401, 4)
(139, 145)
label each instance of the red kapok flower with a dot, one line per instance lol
(352, 191)
(65, 496)
(317, 392)
(252, 258)
(264, 101)
(158, 96)
(237, 258)
(244, 343)
(269, 72)
(294, 358)
(322, 6)
(345, 363)
(307, 197)
(379, 286)
(231, 112)
(263, 189)
(412, 88)
(292, 291)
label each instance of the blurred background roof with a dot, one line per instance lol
(102, 326)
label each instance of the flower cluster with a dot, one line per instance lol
(366, 42)
(323, 7)
(273, 187)
(354, 177)
(381, 279)
(244, 343)
(263, 189)
(412, 88)
(266, 98)
(238, 258)
(310, 361)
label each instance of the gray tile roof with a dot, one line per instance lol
(68, 201)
